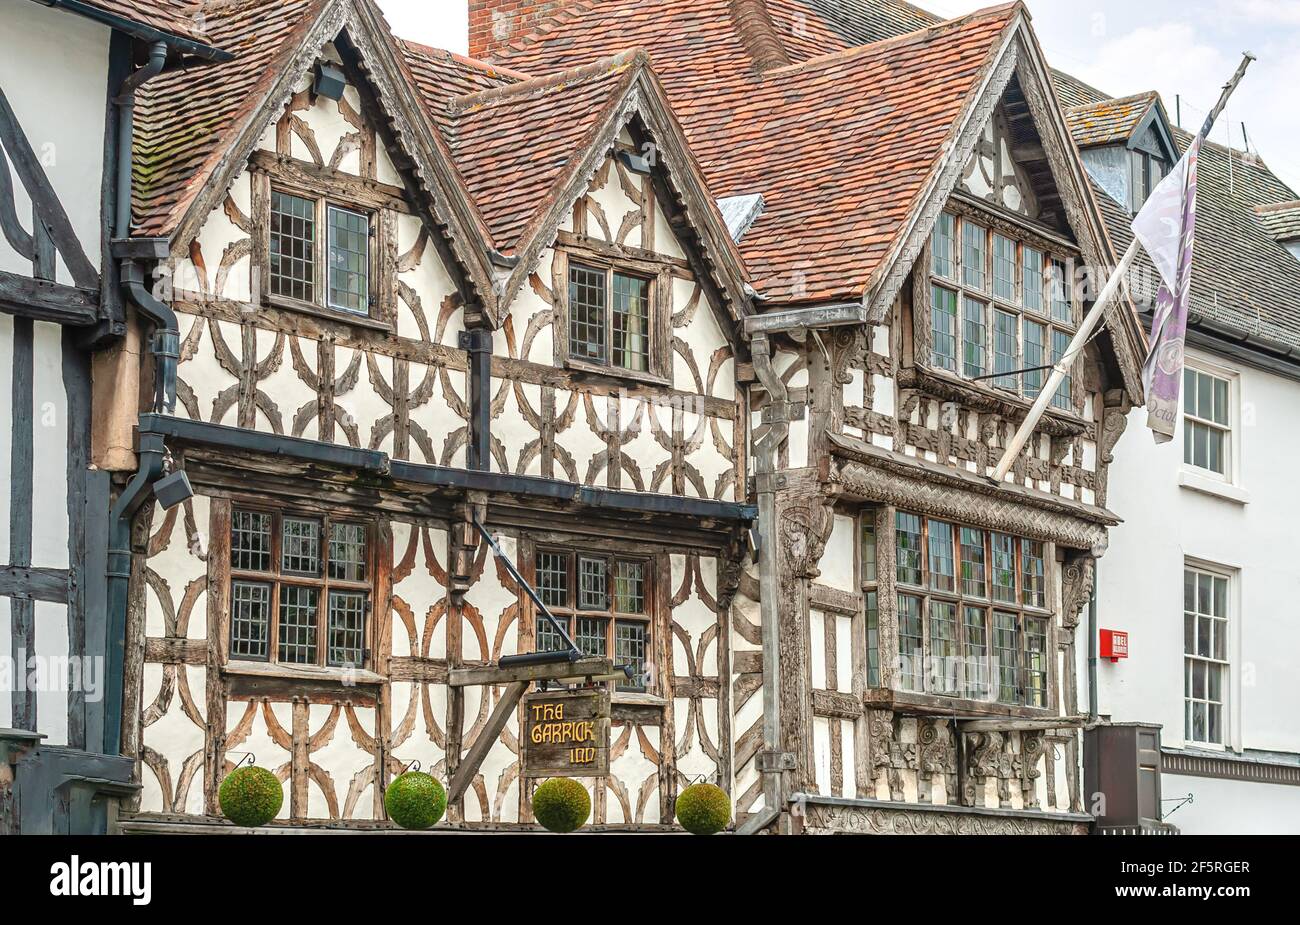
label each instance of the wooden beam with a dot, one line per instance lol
(1023, 725)
(466, 770)
(40, 584)
(46, 301)
(561, 672)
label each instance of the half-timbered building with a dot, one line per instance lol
(416, 294)
(923, 214)
(704, 322)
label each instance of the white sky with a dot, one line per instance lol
(1187, 47)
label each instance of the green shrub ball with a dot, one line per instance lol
(250, 796)
(561, 805)
(703, 809)
(415, 800)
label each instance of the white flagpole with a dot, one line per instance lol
(1062, 367)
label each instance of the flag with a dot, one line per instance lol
(1166, 226)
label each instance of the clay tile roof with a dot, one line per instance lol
(839, 145)
(1108, 121)
(513, 143)
(182, 18)
(440, 76)
(1281, 219)
(183, 118)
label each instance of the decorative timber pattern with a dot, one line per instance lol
(675, 430)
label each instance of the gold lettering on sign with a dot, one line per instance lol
(564, 732)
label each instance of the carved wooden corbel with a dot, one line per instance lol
(1076, 586)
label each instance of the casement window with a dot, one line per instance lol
(973, 618)
(1207, 422)
(301, 589)
(319, 254)
(997, 299)
(604, 603)
(1147, 170)
(868, 573)
(609, 317)
(1205, 648)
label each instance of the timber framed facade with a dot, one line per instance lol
(403, 295)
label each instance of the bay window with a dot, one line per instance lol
(972, 611)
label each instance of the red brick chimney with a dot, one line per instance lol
(495, 23)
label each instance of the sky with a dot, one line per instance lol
(1182, 48)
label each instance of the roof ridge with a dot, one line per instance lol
(1149, 95)
(1285, 205)
(539, 85)
(486, 67)
(897, 41)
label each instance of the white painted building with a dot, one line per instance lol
(1203, 574)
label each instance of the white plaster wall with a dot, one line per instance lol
(1229, 807)
(6, 437)
(62, 114)
(1141, 576)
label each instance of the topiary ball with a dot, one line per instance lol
(415, 800)
(703, 809)
(561, 805)
(250, 796)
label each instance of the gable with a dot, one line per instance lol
(1043, 155)
(184, 170)
(333, 152)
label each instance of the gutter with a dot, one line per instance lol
(1093, 654)
(152, 453)
(139, 30)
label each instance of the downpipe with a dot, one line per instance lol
(152, 454)
(765, 451)
(164, 346)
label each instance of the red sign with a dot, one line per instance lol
(1114, 644)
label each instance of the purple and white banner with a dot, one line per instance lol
(1166, 226)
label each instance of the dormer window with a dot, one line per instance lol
(1147, 172)
(319, 254)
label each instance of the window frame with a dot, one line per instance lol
(277, 577)
(1231, 446)
(657, 276)
(927, 594)
(327, 195)
(995, 305)
(569, 614)
(1224, 665)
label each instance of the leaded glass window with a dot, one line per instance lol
(972, 612)
(349, 261)
(610, 321)
(604, 603)
(300, 592)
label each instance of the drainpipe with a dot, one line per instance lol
(777, 416)
(1092, 650)
(152, 453)
(165, 347)
(165, 344)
